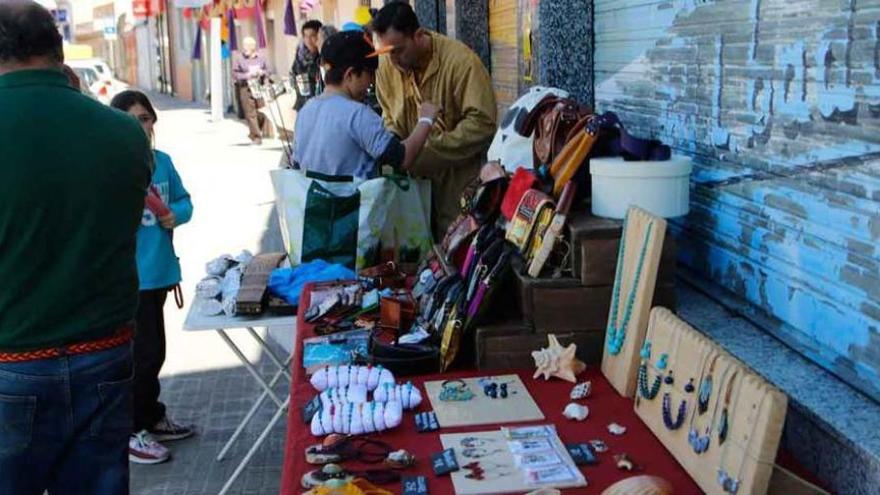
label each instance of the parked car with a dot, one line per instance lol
(97, 74)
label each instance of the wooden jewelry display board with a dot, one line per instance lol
(481, 409)
(729, 432)
(641, 247)
(501, 473)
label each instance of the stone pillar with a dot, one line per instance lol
(565, 47)
(468, 22)
(432, 14)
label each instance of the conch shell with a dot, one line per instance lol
(558, 361)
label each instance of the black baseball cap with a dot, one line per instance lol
(349, 49)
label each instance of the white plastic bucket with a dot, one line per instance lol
(660, 187)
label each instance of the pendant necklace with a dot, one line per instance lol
(727, 482)
(706, 388)
(616, 334)
(701, 443)
(674, 424)
(723, 424)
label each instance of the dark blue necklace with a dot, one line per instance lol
(667, 413)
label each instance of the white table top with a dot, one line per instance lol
(196, 323)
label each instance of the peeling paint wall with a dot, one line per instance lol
(778, 101)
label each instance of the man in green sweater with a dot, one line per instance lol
(75, 175)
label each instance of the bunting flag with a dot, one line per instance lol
(197, 44)
(289, 20)
(232, 38)
(260, 25)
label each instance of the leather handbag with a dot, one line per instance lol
(404, 359)
(551, 122)
(485, 203)
(457, 239)
(522, 181)
(397, 312)
(385, 276)
(534, 206)
(488, 284)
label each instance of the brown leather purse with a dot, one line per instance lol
(551, 121)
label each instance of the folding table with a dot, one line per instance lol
(221, 324)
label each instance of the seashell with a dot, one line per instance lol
(576, 411)
(581, 391)
(616, 429)
(558, 361)
(640, 485)
(624, 463)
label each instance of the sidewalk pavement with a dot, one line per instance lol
(203, 383)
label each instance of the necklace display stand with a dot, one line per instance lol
(749, 411)
(641, 246)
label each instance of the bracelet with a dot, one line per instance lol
(426, 120)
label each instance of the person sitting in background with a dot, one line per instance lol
(305, 74)
(168, 207)
(250, 64)
(336, 133)
(75, 173)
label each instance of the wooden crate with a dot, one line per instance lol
(565, 305)
(595, 244)
(510, 345)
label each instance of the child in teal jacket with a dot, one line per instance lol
(167, 206)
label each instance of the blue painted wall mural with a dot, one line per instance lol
(778, 101)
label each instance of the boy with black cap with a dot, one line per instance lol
(336, 133)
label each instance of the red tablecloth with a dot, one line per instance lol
(605, 405)
(552, 396)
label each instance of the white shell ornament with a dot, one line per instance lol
(576, 412)
(581, 391)
(341, 376)
(407, 394)
(350, 418)
(349, 393)
(616, 429)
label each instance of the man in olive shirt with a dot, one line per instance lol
(73, 175)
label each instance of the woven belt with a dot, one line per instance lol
(121, 336)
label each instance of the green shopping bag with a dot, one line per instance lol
(337, 221)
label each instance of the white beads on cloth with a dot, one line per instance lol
(349, 393)
(407, 394)
(351, 418)
(341, 376)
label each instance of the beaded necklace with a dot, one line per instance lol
(701, 443)
(727, 482)
(644, 391)
(674, 424)
(616, 334)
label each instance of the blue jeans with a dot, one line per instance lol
(65, 424)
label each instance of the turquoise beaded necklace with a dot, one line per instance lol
(616, 334)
